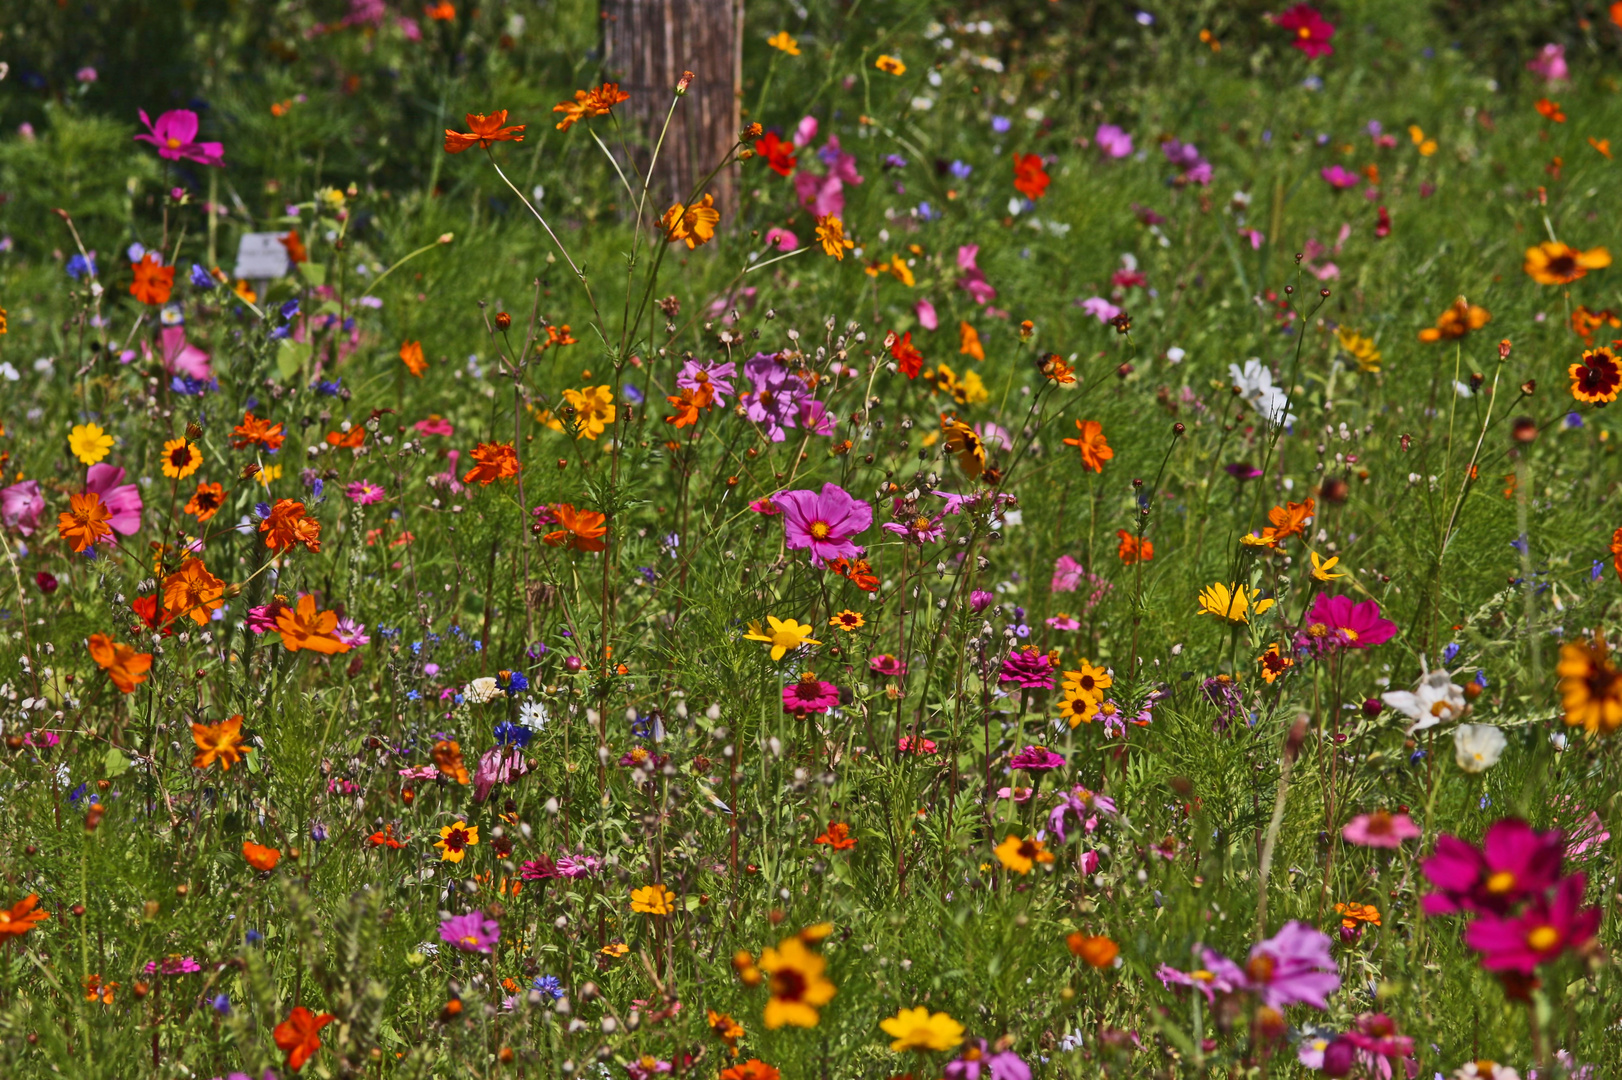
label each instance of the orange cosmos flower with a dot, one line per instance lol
(411, 354)
(21, 917)
(694, 224)
(1134, 550)
(1596, 380)
(308, 628)
(85, 524)
(831, 234)
(486, 131)
(447, 756)
(153, 281)
(1457, 321)
(206, 501)
(220, 742)
(260, 857)
(493, 461)
(126, 667)
(689, 404)
(1554, 263)
(444, 11)
(1030, 178)
(288, 526)
(1549, 110)
(905, 353)
(582, 529)
(1354, 913)
(753, 1069)
(298, 1037)
(193, 591)
(254, 431)
(1057, 370)
(1274, 663)
(355, 436)
(1584, 322)
(837, 837)
(96, 990)
(296, 252)
(1616, 551)
(589, 103)
(1099, 951)
(1288, 520)
(969, 341)
(1094, 450)
(1602, 145)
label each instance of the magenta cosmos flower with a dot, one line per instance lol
(121, 499)
(809, 695)
(1514, 862)
(1293, 966)
(1311, 30)
(473, 932)
(21, 505)
(976, 1060)
(1216, 975)
(1037, 759)
(1543, 930)
(365, 492)
(175, 136)
(824, 523)
(1029, 668)
(1380, 829)
(1339, 622)
(1339, 177)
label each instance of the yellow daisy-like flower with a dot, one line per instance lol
(594, 409)
(1322, 569)
(798, 986)
(653, 899)
(1078, 709)
(1021, 855)
(831, 235)
(1089, 682)
(918, 1029)
(1232, 605)
(890, 65)
(267, 474)
(783, 635)
(454, 840)
(693, 224)
(848, 621)
(181, 458)
(89, 443)
(781, 40)
(1590, 686)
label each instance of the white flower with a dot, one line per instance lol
(1435, 701)
(481, 690)
(532, 714)
(1255, 383)
(1477, 747)
(1485, 1070)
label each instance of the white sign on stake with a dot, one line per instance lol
(261, 256)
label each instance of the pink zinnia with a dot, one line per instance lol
(1312, 32)
(175, 136)
(21, 505)
(1514, 862)
(1029, 668)
(824, 523)
(809, 695)
(1380, 829)
(365, 492)
(473, 932)
(1539, 934)
(1337, 621)
(123, 500)
(539, 869)
(434, 425)
(1037, 759)
(886, 665)
(923, 746)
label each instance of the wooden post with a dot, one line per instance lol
(647, 44)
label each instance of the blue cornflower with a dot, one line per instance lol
(201, 278)
(79, 266)
(510, 734)
(290, 308)
(548, 985)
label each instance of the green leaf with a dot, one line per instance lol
(290, 356)
(114, 763)
(313, 273)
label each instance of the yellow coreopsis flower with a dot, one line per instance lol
(781, 40)
(1233, 605)
(89, 443)
(783, 635)
(890, 65)
(1322, 570)
(594, 409)
(918, 1029)
(653, 899)
(831, 235)
(1021, 855)
(799, 988)
(454, 840)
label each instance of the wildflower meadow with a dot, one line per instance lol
(824, 541)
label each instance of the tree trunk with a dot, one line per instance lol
(647, 45)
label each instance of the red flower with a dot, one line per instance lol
(906, 354)
(778, 154)
(1312, 32)
(298, 1037)
(837, 837)
(1030, 179)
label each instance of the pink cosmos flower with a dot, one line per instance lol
(1084, 805)
(180, 357)
(1112, 141)
(781, 239)
(809, 695)
(499, 765)
(351, 633)
(578, 866)
(918, 529)
(1293, 966)
(805, 132)
(886, 665)
(977, 1061)
(1375, 1037)
(1020, 795)
(824, 523)
(175, 136)
(262, 619)
(1063, 623)
(1312, 32)
(1037, 759)
(718, 377)
(434, 425)
(1380, 829)
(1029, 668)
(907, 746)
(420, 772)
(473, 932)
(1549, 64)
(979, 600)
(1338, 622)
(764, 506)
(1067, 574)
(973, 280)
(1542, 930)
(174, 965)
(21, 505)
(926, 315)
(1100, 309)
(1514, 862)
(365, 492)
(123, 500)
(541, 868)
(1223, 978)
(1339, 177)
